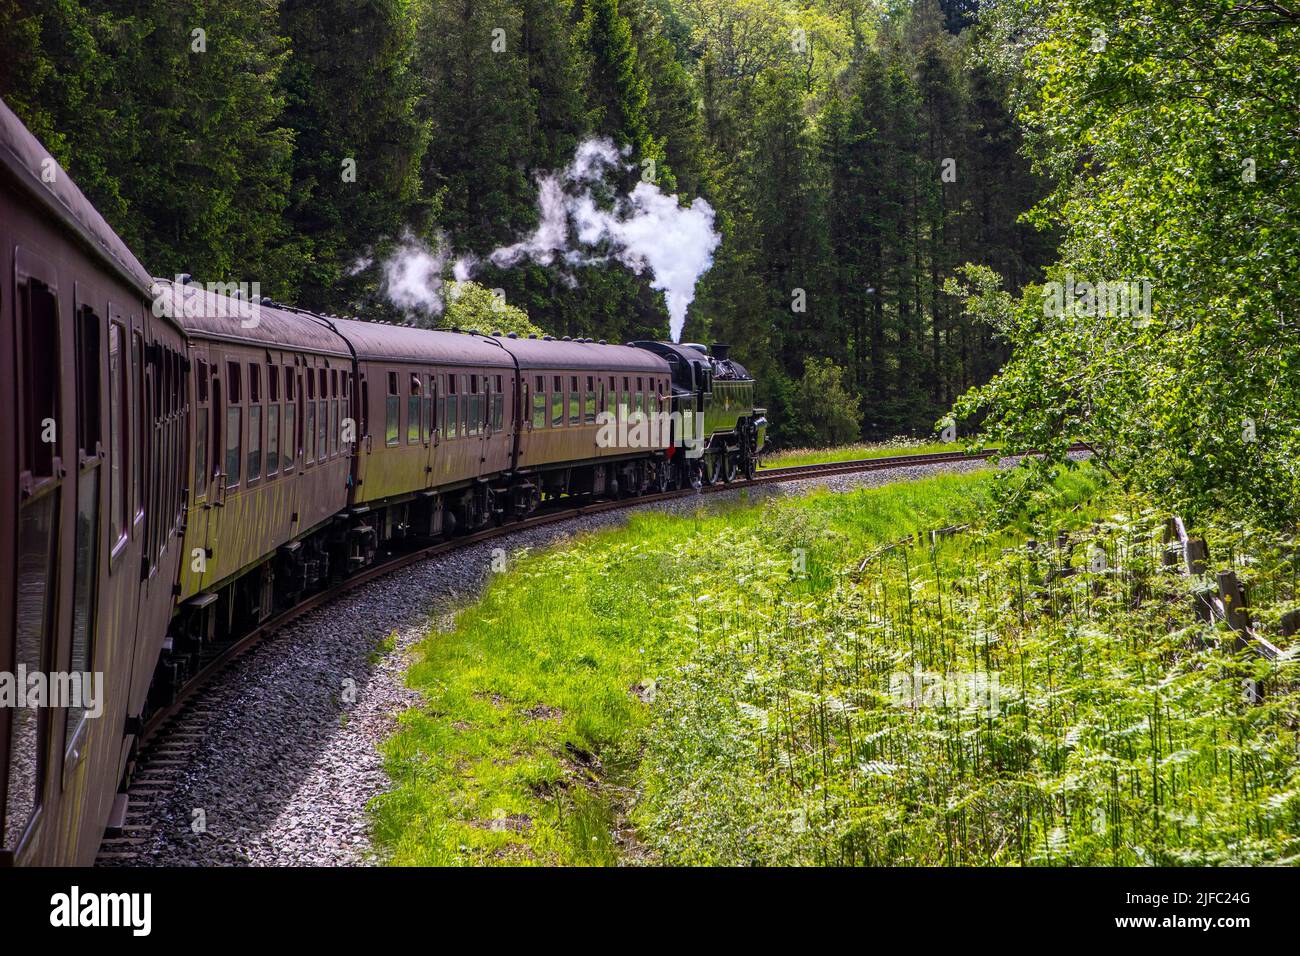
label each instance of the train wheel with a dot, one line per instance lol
(712, 468)
(751, 467)
(731, 468)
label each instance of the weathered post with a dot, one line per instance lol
(1234, 606)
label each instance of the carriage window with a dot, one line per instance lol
(557, 402)
(393, 405)
(88, 385)
(39, 396)
(484, 402)
(117, 432)
(441, 412)
(498, 407)
(365, 409)
(163, 378)
(85, 566)
(575, 401)
(464, 403)
(179, 422)
(345, 411)
(640, 396)
(334, 426)
(37, 533)
(413, 405)
(452, 406)
(426, 418)
(539, 404)
(589, 413)
(272, 440)
(322, 429)
(309, 381)
(200, 452)
(334, 412)
(323, 443)
(234, 424)
(290, 422)
(201, 429)
(137, 429)
(273, 420)
(254, 422)
(475, 406)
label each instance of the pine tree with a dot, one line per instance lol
(168, 116)
(618, 97)
(358, 143)
(475, 95)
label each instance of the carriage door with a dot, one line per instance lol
(89, 342)
(203, 463)
(483, 406)
(44, 434)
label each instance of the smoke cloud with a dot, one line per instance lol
(413, 275)
(644, 230)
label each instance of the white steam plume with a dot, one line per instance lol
(413, 275)
(644, 230)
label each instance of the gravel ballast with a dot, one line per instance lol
(283, 754)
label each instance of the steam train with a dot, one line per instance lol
(179, 464)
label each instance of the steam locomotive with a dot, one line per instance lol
(180, 463)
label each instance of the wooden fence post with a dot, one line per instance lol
(1234, 606)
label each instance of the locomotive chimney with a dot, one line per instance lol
(720, 352)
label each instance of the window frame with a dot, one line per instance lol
(253, 453)
(233, 428)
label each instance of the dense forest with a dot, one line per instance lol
(1170, 133)
(855, 153)
(900, 192)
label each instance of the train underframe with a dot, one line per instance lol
(207, 624)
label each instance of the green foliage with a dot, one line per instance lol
(825, 410)
(814, 130)
(358, 142)
(898, 445)
(965, 703)
(617, 91)
(176, 137)
(841, 229)
(527, 745)
(474, 308)
(741, 687)
(1171, 131)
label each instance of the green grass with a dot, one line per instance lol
(862, 451)
(722, 688)
(540, 673)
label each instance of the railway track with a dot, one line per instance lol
(171, 734)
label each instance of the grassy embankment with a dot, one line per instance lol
(859, 452)
(729, 688)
